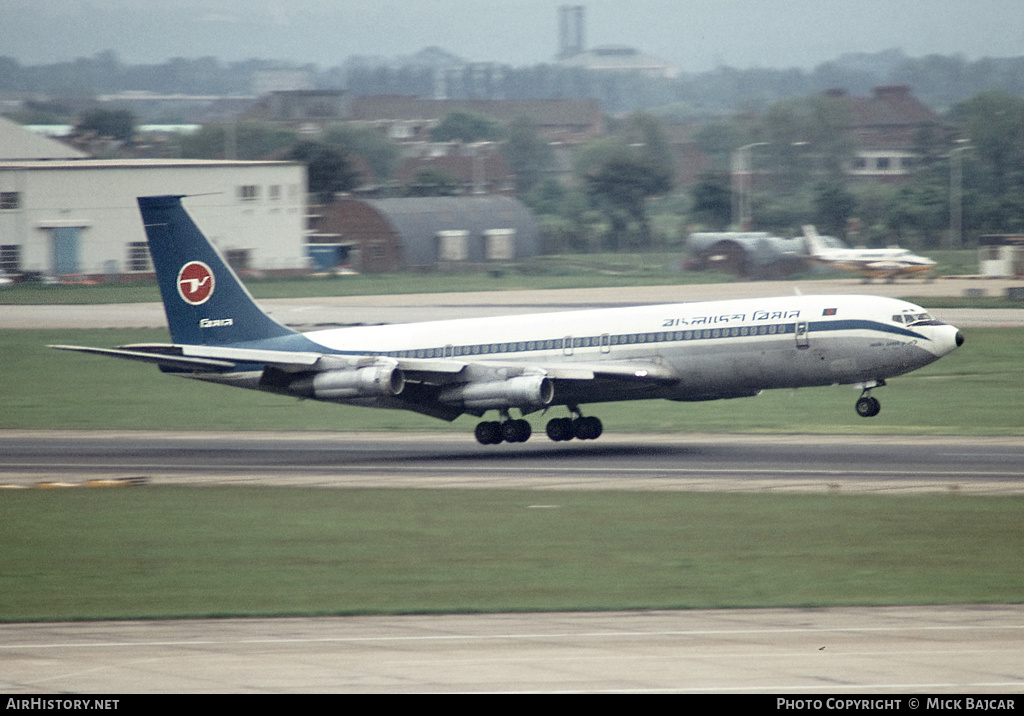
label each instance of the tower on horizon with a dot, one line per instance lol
(570, 31)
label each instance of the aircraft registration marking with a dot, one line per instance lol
(729, 318)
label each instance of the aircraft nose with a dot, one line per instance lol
(943, 338)
(948, 339)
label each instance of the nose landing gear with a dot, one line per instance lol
(868, 407)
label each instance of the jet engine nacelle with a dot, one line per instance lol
(534, 391)
(372, 381)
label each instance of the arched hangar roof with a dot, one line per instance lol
(417, 222)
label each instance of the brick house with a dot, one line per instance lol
(886, 124)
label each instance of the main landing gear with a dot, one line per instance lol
(580, 427)
(868, 407)
(493, 432)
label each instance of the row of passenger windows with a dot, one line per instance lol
(605, 341)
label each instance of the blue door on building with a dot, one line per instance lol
(65, 250)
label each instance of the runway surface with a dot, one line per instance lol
(799, 652)
(455, 460)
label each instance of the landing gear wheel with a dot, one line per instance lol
(868, 407)
(516, 431)
(587, 428)
(488, 433)
(579, 427)
(560, 429)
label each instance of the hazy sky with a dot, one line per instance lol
(692, 34)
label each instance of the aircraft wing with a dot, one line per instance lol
(218, 358)
(479, 384)
(634, 372)
(601, 381)
(575, 377)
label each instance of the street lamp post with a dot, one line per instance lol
(956, 193)
(741, 185)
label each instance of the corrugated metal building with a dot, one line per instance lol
(750, 254)
(378, 235)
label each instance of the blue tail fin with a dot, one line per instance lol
(205, 302)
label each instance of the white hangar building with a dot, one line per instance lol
(77, 217)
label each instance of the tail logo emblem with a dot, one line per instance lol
(195, 283)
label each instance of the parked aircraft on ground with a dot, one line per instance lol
(870, 263)
(681, 352)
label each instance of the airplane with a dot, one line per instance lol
(871, 263)
(531, 363)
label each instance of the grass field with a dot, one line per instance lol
(974, 391)
(150, 552)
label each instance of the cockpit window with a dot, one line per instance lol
(913, 319)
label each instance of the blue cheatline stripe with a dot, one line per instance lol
(298, 342)
(864, 325)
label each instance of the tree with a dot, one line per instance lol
(380, 153)
(712, 200)
(873, 200)
(623, 171)
(805, 137)
(116, 123)
(527, 152)
(545, 197)
(994, 122)
(646, 133)
(931, 144)
(241, 140)
(329, 169)
(620, 187)
(833, 207)
(718, 139)
(920, 211)
(432, 181)
(467, 127)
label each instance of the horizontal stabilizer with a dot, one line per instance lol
(164, 359)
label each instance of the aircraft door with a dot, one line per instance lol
(65, 250)
(802, 331)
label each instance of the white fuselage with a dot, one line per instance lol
(715, 350)
(874, 262)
